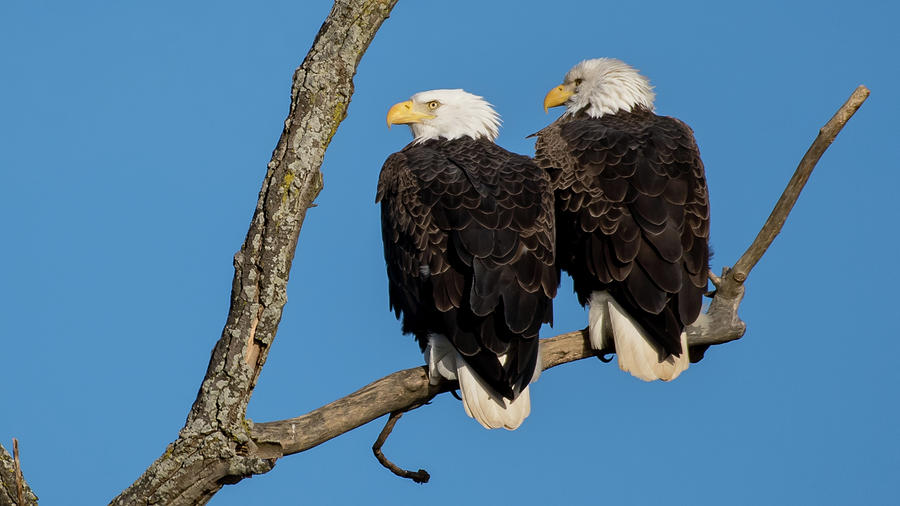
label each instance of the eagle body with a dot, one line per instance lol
(632, 218)
(469, 246)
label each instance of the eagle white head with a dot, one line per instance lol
(448, 114)
(601, 86)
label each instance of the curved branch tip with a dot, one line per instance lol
(420, 476)
(791, 193)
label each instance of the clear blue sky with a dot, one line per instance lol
(133, 140)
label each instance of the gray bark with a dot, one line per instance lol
(8, 485)
(215, 448)
(738, 274)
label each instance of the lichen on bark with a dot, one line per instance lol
(214, 447)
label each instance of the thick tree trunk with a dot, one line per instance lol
(214, 447)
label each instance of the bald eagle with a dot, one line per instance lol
(469, 246)
(632, 215)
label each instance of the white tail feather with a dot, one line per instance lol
(538, 365)
(635, 352)
(487, 407)
(440, 356)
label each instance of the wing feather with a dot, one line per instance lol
(470, 252)
(632, 214)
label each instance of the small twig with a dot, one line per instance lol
(20, 489)
(420, 476)
(778, 216)
(715, 280)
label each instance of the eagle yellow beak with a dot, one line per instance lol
(405, 113)
(558, 96)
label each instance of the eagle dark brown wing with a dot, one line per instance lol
(469, 246)
(632, 215)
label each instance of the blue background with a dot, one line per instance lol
(133, 140)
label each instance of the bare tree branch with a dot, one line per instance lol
(214, 447)
(420, 476)
(408, 389)
(13, 488)
(402, 391)
(784, 205)
(20, 491)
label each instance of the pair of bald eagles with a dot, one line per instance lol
(475, 236)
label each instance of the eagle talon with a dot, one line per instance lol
(602, 355)
(455, 393)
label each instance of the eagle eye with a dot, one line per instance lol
(434, 104)
(578, 82)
